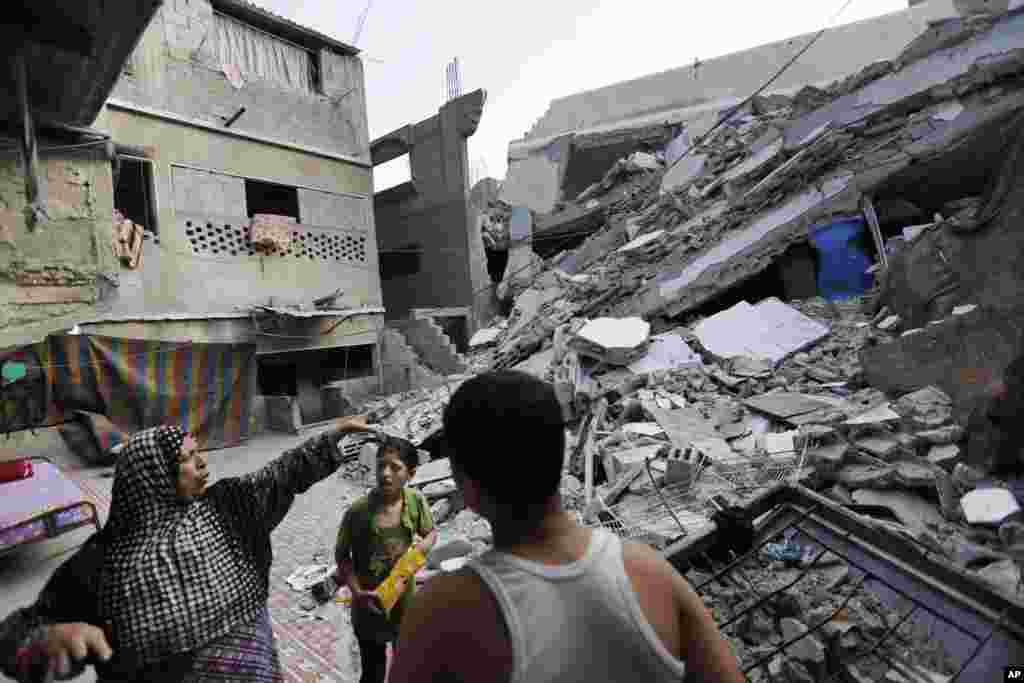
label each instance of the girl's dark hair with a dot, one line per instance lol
(407, 453)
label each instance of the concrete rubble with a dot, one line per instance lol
(682, 388)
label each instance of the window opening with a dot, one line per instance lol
(392, 173)
(133, 191)
(402, 261)
(268, 198)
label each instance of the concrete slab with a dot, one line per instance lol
(879, 446)
(613, 340)
(684, 173)
(876, 415)
(643, 428)
(784, 405)
(989, 506)
(787, 212)
(682, 425)
(769, 329)
(666, 352)
(720, 454)
(946, 456)
(914, 79)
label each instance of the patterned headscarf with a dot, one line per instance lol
(174, 576)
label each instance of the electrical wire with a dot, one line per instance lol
(778, 74)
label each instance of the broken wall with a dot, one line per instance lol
(691, 95)
(428, 223)
(57, 271)
(975, 260)
(848, 48)
(179, 67)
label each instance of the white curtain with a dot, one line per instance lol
(261, 56)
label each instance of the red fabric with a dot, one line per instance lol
(15, 470)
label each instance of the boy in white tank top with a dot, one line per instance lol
(553, 601)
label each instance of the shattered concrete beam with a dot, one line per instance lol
(933, 77)
(658, 135)
(939, 128)
(391, 146)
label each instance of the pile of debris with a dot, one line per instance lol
(732, 404)
(815, 619)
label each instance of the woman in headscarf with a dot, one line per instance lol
(175, 586)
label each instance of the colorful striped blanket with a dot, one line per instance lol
(136, 383)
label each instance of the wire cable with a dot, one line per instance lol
(778, 74)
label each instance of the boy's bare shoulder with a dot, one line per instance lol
(650, 572)
(461, 590)
(458, 622)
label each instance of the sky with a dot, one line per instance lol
(528, 52)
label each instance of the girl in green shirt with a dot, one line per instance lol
(375, 532)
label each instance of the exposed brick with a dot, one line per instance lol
(54, 295)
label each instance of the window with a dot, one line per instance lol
(400, 262)
(391, 173)
(276, 376)
(133, 191)
(348, 362)
(278, 200)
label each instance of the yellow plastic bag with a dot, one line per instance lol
(391, 589)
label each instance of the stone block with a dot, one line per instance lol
(909, 508)
(829, 457)
(989, 506)
(879, 446)
(867, 476)
(949, 434)
(915, 474)
(945, 456)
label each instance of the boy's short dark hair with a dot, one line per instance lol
(407, 453)
(504, 430)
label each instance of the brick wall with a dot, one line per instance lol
(52, 274)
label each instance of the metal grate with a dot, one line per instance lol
(860, 604)
(656, 519)
(232, 239)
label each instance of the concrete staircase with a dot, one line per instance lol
(431, 344)
(403, 370)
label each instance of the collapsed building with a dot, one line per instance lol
(581, 135)
(772, 342)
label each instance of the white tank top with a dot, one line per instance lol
(579, 621)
